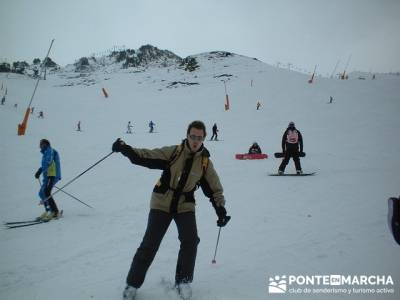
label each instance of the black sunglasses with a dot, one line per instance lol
(196, 138)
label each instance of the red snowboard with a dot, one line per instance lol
(251, 156)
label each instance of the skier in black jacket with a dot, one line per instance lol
(215, 132)
(292, 142)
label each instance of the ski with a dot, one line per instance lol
(18, 224)
(25, 225)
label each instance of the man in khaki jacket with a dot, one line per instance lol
(185, 168)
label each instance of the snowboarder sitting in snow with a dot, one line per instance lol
(185, 167)
(255, 149)
(292, 140)
(51, 171)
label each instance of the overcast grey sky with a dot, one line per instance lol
(301, 32)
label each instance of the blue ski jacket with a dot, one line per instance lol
(51, 163)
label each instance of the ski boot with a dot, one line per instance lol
(42, 216)
(129, 293)
(49, 216)
(184, 291)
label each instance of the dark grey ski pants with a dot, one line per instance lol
(157, 225)
(291, 152)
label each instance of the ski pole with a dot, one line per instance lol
(72, 196)
(216, 246)
(75, 178)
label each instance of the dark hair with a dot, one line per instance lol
(44, 141)
(198, 125)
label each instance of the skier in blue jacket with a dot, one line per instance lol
(51, 171)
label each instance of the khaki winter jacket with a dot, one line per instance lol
(171, 194)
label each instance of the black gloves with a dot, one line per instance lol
(117, 145)
(223, 219)
(38, 172)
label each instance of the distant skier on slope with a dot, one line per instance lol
(215, 132)
(292, 142)
(185, 167)
(51, 171)
(151, 125)
(129, 127)
(255, 149)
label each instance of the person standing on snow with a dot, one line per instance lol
(129, 127)
(185, 168)
(292, 142)
(215, 132)
(151, 125)
(51, 171)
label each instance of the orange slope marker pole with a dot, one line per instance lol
(24, 124)
(343, 76)
(226, 102)
(226, 97)
(313, 74)
(104, 92)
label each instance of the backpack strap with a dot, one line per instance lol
(175, 154)
(178, 150)
(204, 163)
